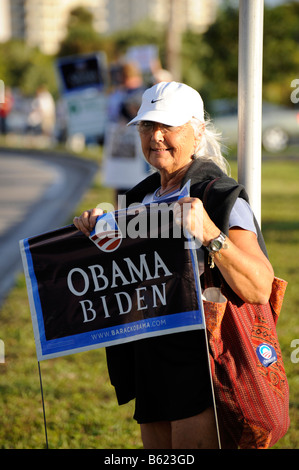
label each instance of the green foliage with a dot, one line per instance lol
(78, 16)
(26, 68)
(80, 40)
(81, 37)
(281, 51)
(210, 61)
(193, 48)
(219, 57)
(145, 32)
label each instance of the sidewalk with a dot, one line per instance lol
(22, 182)
(38, 193)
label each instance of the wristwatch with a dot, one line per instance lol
(215, 246)
(217, 243)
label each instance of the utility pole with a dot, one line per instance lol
(174, 39)
(251, 16)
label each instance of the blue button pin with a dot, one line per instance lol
(266, 354)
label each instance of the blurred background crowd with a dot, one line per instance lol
(70, 68)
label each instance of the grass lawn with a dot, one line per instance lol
(81, 408)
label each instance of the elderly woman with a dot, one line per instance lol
(169, 375)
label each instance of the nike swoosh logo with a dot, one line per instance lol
(154, 101)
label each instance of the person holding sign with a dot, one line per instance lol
(169, 375)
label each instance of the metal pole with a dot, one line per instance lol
(251, 15)
(174, 39)
(43, 403)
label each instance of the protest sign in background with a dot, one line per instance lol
(83, 80)
(124, 164)
(133, 278)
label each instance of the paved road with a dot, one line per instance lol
(38, 192)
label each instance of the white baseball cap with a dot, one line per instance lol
(170, 103)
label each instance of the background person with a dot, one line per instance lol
(5, 110)
(42, 117)
(123, 104)
(168, 375)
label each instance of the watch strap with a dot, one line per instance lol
(212, 250)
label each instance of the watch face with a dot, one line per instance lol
(216, 245)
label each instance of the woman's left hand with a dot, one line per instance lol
(190, 213)
(241, 261)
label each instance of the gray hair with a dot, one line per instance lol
(211, 145)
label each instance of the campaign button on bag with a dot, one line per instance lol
(266, 354)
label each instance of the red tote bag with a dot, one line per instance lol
(251, 391)
(249, 379)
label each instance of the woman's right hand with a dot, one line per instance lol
(87, 220)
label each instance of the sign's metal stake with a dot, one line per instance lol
(43, 402)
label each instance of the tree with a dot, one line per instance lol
(281, 51)
(81, 37)
(26, 68)
(145, 32)
(215, 63)
(218, 61)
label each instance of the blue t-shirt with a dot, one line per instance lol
(241, 216)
